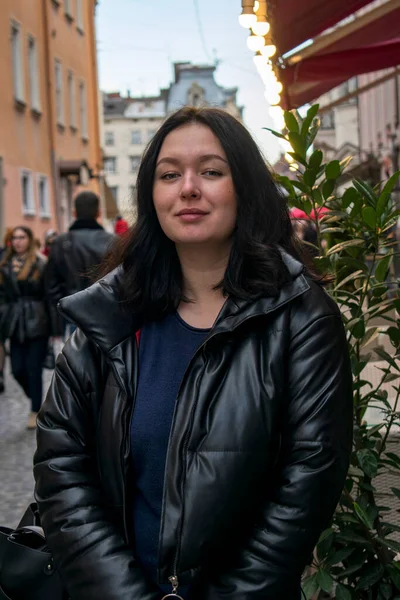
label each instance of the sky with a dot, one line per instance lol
(139, 40)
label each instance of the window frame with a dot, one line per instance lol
(83, 110)
(28, 210)
(17, 63)
(106, 143)
(107, 171)
(71, 84)
(80, 22)
(46, 212)
(140, 137)
(68, 9)
(59, 92)
(131, 159)
(33, 70)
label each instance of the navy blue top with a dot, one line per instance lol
(166, 348)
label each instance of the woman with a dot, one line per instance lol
(24, 317)
(196, 436)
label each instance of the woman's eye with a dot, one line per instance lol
(213, 173)
(169, 176)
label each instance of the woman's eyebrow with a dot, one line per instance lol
(203, 158)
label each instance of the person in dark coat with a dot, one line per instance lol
(197, 433)
(75, 255)
(24, 314)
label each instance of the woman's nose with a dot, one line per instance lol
(190, 187)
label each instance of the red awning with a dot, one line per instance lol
(296, 21)
(371, 47)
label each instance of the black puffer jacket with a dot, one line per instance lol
(258, 452)
(24, 310)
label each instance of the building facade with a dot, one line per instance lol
(49, 113)
(131, 122)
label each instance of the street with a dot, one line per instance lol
(17, 446)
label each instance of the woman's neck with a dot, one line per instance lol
(202, 271)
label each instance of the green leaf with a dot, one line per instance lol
(340, 555)
(371, 577)
(316, 159)
(368, 462)
(369, 216)
(311, 114)
(276, 133)
(382, 268)
(396, 492)
(366, 192)
(297, 144)
(371, 334)
(344, 245)
(313, 132)
(358, 330)
(328, 187)
(310, 176)
(325, 581)
(291, 122)
(386, 356)
(310, 586)
(299, 158)
(350, 536)
(362, 516)
(384, 198)
(392, 544)
(349, 197)
(332, 170)
(342, 592)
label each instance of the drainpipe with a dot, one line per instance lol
(50, 113)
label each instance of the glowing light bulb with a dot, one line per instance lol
(261, 28)
(256, 5)
(269, 51)
(247, 19)
(255, 42)
(272, 96)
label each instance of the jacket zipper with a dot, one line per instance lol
(173, 579)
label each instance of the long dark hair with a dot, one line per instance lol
(31, 255)
(152, 277)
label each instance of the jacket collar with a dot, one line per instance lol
(107, 322)
(85, 224)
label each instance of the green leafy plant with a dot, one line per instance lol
(357, 557)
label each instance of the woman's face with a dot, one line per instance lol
(193, 192)
(20, 241)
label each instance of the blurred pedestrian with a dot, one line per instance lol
(75, 255)
(6, 244)
(49, 238)
(24, 315)
(121, 226)
(196, 437)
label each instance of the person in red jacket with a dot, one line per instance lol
(121, 226)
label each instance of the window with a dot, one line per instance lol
(68, 7)
(114, 191)
(43, 194)
(109, 138)
(135, 162)
(28, 201)
(83, 110)
(328, 120)
(71, 100)
(18, 67)
(136, 137)
(79, 15)
(33, 74)
(150, 134)
(110, 165)
(59, 92)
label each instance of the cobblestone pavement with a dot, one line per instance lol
(17, 446)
